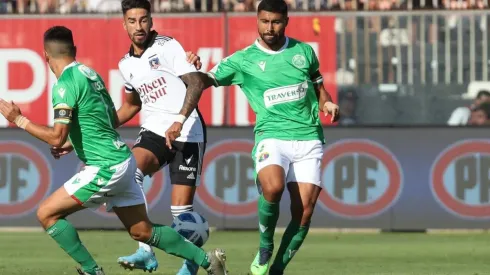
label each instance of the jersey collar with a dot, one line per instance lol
(67, 67)
(270, 51)
(149, 43)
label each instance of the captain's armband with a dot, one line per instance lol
(63, 114)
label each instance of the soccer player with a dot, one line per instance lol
(159, 81)
(84, 121)
(281, 79)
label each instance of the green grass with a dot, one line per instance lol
(329, 253)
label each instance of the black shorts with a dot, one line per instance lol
(184, 159)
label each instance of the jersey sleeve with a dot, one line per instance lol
(314, 70)
(175, 56)
(128, 87)
(64, 102)
(228, 71)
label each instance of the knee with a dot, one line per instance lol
(141, 232)
(272, 189)
(45, 217)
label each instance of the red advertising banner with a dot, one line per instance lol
(101, 42)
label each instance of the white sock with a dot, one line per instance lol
(179, 209)
(139, 179)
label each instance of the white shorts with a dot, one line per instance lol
(301, 160)
(114, 186)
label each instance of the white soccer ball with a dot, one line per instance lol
(193, 227)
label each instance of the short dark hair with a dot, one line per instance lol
(482, 93)
(484, 107)
(64, 37)
(275, 6)
(135, 4)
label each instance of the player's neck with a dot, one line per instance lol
(274, 47)
(138, 50)
(60, 65)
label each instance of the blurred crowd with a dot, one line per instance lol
(112, 6)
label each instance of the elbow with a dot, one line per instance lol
(136, 108)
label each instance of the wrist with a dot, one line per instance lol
(21, 121)
(180, 118)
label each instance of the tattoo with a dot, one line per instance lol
(195, 82)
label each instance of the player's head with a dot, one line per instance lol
(272, 19)
(58, 43)
(137, 20)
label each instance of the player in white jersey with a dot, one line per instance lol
(161, 82)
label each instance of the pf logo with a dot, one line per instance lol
(361, 179)
(460, 179)
(227, 179)
(153, 188)
(25, 178)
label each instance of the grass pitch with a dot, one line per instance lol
(322, 253)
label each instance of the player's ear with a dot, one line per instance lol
(287, 21)
(46, 57)
(151, 23)
(124, 25)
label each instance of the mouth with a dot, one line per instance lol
(140, 35)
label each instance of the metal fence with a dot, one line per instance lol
(412, 68)
(418, 48)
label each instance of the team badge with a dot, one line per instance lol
(263, 156)
(155, 63)
(299, 61)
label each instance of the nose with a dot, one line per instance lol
(138, 26)
(269, 27)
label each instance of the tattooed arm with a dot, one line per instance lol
(196, 82)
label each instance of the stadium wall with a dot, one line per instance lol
(386, 178)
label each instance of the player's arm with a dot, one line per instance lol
(196, 84)
(177, 58)
(227, 72)
(325, 102)
(130, 107)
(55, 136)
(322, 94)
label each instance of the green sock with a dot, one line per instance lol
(173, 243)
(67, 238)
(291, 242)
(268, 216)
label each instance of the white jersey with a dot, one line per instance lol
(155, 77)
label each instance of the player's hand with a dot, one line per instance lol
(58, 152)
(194, 59)
(173, 133)
(330, 108)
(9, 110)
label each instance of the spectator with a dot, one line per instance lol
(480, 115)
(461, 115)
(347, 105)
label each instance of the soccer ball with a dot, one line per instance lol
(193, 227)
